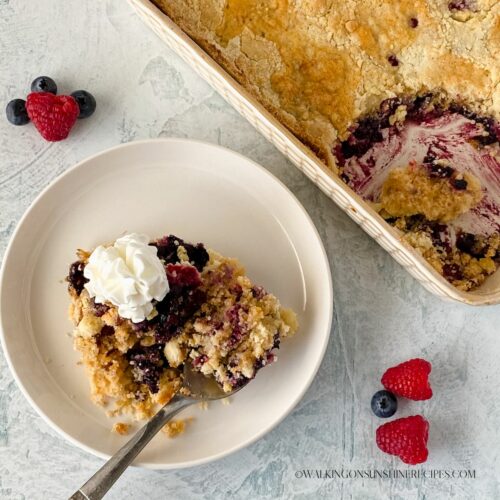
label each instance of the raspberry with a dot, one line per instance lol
(53, 115)
(409, 379)
(183, 276)
(405, 438)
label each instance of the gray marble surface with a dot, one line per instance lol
(382, 315)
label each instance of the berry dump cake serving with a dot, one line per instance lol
(142, 309)
(401, 99)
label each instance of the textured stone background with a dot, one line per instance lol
(383, 316)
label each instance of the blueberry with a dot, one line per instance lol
(413, 22)
(76, 279)
(452, 272)
(16, 112)
(44, 84)
(466, 242)
(393, 60)
(441, 171)
(459, 184)
(86, 103)
(384, 404)
(167, 250)
(148, 364)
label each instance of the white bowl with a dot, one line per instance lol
(199, 192)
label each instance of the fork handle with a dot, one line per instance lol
(98, 485)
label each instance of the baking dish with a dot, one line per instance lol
(304, 159)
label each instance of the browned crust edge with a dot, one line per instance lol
(228, 66)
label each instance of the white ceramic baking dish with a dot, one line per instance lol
(304, 159)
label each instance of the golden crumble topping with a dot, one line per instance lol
(338, 74)
(319, 65)
(175, 427)
(462, 269)
(232, 333)
(121, 428)
(411, 191)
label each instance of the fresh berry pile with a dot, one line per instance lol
(53, 115)
(403, 437)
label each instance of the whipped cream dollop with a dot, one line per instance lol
(128, 274)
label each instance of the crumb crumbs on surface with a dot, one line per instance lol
(226, 401)
(203, 405)
(176, 427)
(121, 428)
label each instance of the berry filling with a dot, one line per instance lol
(174, 310)
(460, 5)
(181, 276)
(148, 363)
(168, 250)
(76, 279)
(431, 165)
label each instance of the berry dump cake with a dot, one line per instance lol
(142, 309)
(399, 98)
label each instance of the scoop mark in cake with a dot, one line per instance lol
(426, 156)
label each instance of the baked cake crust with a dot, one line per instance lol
(319, 65)
(355, 79)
